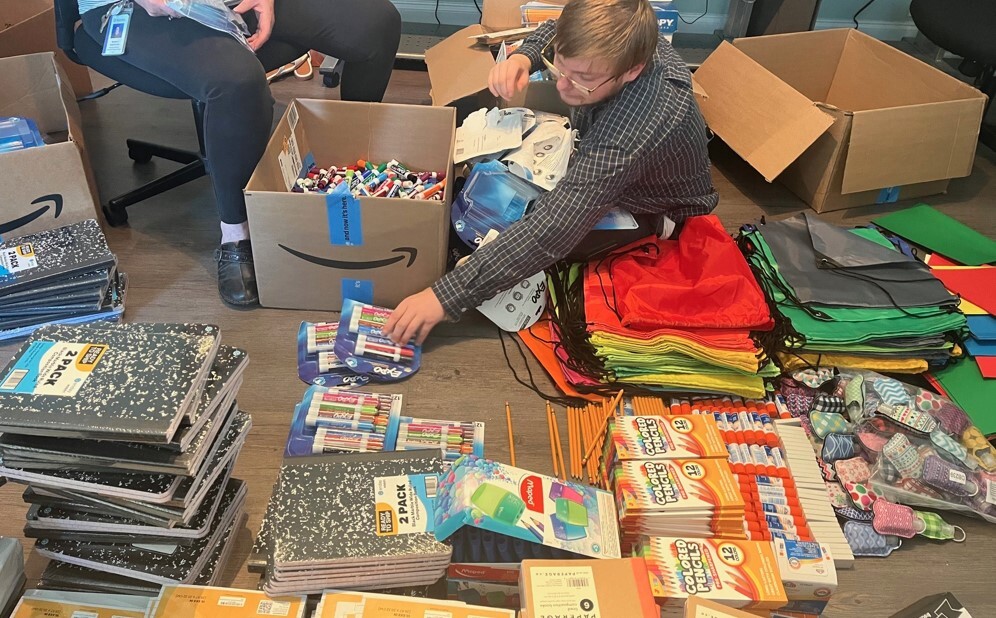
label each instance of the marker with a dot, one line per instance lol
(398, 354)
(327, 361)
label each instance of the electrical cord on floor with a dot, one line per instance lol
(854, 18)
(704, 11)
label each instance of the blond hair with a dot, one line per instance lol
(624, 32)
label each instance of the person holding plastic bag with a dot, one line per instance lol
(194, 47)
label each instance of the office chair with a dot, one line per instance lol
(966, 28)
(85, 51)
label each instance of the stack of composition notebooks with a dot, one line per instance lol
(358, 521)
(66, 276)
(126, 436)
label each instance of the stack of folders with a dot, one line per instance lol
(126, 436)
(63, 276)
(358, 521)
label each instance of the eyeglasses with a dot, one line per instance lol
(547, 56)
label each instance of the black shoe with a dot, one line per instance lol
(236, 275)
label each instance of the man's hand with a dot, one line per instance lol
(508, 78)
(414, 318)
(264, 18)
(157, 8)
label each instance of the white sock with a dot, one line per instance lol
(234, 232)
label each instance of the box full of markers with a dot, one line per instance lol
(364, 349)
(332, 420)
(453, 438)
(316, 359)
(503, 502)
(741, 574)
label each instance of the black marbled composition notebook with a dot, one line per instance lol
(37, 259)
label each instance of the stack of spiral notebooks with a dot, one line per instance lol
(358, 521)
(62, 276)
(126, 437)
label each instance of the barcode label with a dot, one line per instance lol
(578, 582)
(13, 379)
(273, 608)
(431, 487)
(990, 492)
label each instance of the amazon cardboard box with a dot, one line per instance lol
(840, 118)
(310, 251)
(28, 27)
(52, 185)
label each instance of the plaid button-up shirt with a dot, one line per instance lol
(644, 150)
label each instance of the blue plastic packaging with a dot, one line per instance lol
(18, 133)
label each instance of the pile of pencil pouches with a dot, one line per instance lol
(353, 351)
(887, 448)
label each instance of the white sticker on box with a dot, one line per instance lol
(57, 368)
(564, 590)
(292, 116)
(227, 601)
(437, 613)
(84, 614)
(273, 608)
(15, 259)
(290, 161)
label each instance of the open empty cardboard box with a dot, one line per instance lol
(840, 118)
(310, 251)
(28, 27)
(52, 185)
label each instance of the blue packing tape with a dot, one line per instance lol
(360, 290)
(344, 217)
(888, 195)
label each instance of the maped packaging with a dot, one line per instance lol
(364, 349)
(316, 359)
(452, 438)
(511, 502)
(332, 420)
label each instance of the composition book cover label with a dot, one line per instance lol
(405, 504)
(53, 368)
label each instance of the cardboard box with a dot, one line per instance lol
(310, 253)
(458, 67)
(52, 185)
(28, 27)
(604, 588)
(840, 118)
(696, 607)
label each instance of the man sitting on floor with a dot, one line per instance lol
(642, 148)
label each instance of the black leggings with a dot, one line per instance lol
(230, 80)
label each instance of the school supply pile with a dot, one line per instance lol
(662, 314)
(126, 436)
(336, 604)
(962, 260)
(885, 447)
(366, 179)
(848, 297)
(357, 521)
(61, 276)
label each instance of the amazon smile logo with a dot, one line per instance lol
(13, 224)
(409, 253)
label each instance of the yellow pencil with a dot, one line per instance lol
(511, 436)
(560, 449)
(553, 447)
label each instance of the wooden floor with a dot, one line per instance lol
(167, 252)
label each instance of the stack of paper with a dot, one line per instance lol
(847, 297)
(66, 276)
(126, 437)
(359, 521)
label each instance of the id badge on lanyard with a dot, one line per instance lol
(116, 25)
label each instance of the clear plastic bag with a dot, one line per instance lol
(922, 450)
(214, 14)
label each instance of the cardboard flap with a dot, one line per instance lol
(901, 146)
(457, 67)
(764, 120)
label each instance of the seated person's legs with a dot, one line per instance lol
(363, 34)
(217, 70)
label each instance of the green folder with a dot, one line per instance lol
(938, 232)
(974, 394)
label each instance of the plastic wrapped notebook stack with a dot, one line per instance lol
(356, 521)
(65, 276)
(126, 436)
